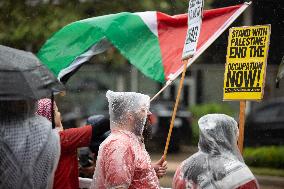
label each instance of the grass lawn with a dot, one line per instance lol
(267, 171)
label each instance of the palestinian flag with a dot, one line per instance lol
(151, 41)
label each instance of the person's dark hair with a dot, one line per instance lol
(84, 157)
(17, 109)
(101, 130)
(95, 144)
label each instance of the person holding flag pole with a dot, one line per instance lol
(123, 161)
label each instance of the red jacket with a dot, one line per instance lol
(66, 174)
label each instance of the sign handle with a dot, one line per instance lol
(175, 108)
(242, 125)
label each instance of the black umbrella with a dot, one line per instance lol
(23, 77)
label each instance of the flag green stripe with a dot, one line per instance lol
(64, 46)
(126, 31)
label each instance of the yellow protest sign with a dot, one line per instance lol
(246, 59)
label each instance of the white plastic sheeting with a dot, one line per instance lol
(218, 164)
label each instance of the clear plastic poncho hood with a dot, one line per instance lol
(218, 164)
(127, 106)
(218, 135)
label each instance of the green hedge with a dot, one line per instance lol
(200, 110)
(267, 171)
(270, 156)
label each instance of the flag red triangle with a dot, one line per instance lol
(172, 33)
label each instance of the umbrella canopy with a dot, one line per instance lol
(24, 77)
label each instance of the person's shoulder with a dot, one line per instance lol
(195, 160)
(41, 132)
(116, 141)
(42, 122)
(40, 126)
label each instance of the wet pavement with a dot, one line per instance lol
(266, 182)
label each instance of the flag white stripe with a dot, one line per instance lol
(150, 19)
(97, 48)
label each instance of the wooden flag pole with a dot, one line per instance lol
(156, 95)
(242, 125)
(175, 108)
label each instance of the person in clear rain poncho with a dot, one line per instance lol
(29, 148)
(218, 164)
(123, 161)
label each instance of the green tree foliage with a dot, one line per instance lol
(266, 156)
(27, 24)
